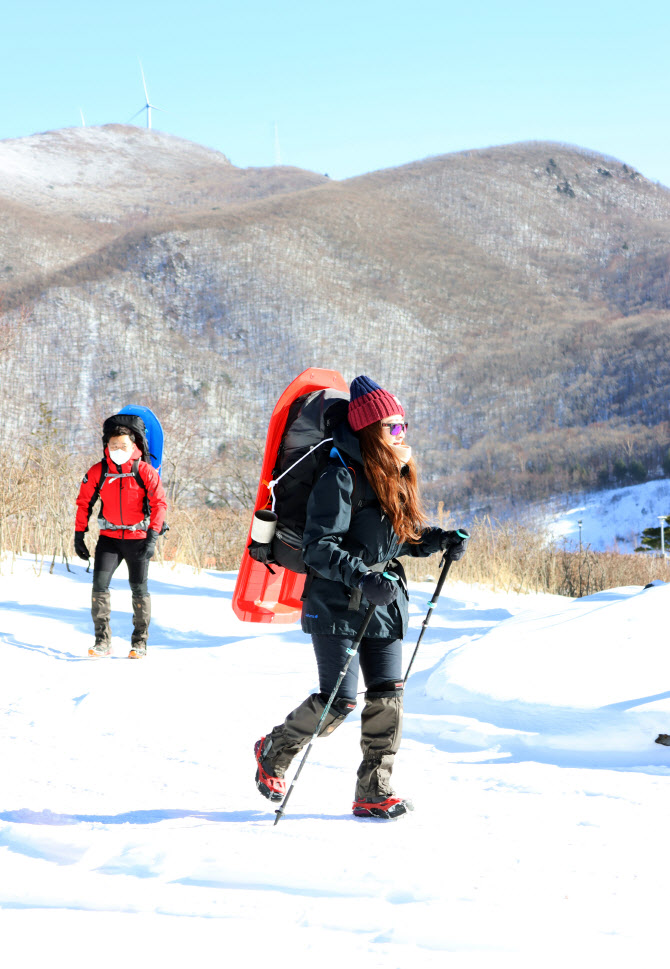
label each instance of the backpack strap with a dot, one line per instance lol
(359, 486)
(137, 476)
(357, 501)
(104, 471)
(147, 507)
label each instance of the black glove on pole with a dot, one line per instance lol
(463, 538)
(352, 652)
(380, 588)
(457, 543)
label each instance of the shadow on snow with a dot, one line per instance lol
(511, 732)
(25, 816)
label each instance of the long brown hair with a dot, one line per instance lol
(397, 488)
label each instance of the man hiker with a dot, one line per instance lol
(131, 516)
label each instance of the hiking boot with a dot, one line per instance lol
(274, 788)
(98, 650)
(383, 809)
(138, 651)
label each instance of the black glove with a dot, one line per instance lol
(261, 552)
(150, 544)
(80, 546)
(455, 543)
(378, 588)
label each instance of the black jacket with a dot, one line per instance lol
(340, 545)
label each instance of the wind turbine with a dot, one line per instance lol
(148, 106)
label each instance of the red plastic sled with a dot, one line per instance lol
(260, 596)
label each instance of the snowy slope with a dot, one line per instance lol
(579, 682)
(90, 157)
(131, 831)
(613, 519)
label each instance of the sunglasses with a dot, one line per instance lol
(396, 429)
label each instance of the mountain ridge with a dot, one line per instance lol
(516, 298)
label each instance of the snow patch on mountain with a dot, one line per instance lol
(612, 520)
(97, 157)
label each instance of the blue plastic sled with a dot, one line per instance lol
(154, 432)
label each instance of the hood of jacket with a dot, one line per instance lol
(345, 440)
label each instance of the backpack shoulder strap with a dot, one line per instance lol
(140, 481)
(104, 471)
(357, 495)
(137, 476)
(358, 479)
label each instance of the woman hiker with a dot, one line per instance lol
(346, 553)
(131, 518)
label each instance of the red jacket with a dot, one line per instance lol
(122, 497)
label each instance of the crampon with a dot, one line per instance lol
(274, 788)
(385, 810)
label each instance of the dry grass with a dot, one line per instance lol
(37, 514)
(37, 517)
(36, 504)
(510, 557)
(206, 538)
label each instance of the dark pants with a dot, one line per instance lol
(109, 554)
(380, 661)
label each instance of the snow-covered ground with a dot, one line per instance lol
(131, 832)
(611, 520)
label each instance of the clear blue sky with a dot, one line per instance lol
(352, 86)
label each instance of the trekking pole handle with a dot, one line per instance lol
(445, 565)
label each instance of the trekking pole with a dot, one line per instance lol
(446, 565)
(352, 651)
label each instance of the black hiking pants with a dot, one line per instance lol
(379, 660)
(110, 552)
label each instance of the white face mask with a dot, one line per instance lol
(119, 457)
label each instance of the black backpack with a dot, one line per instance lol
(134, 424)
(303, 455)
